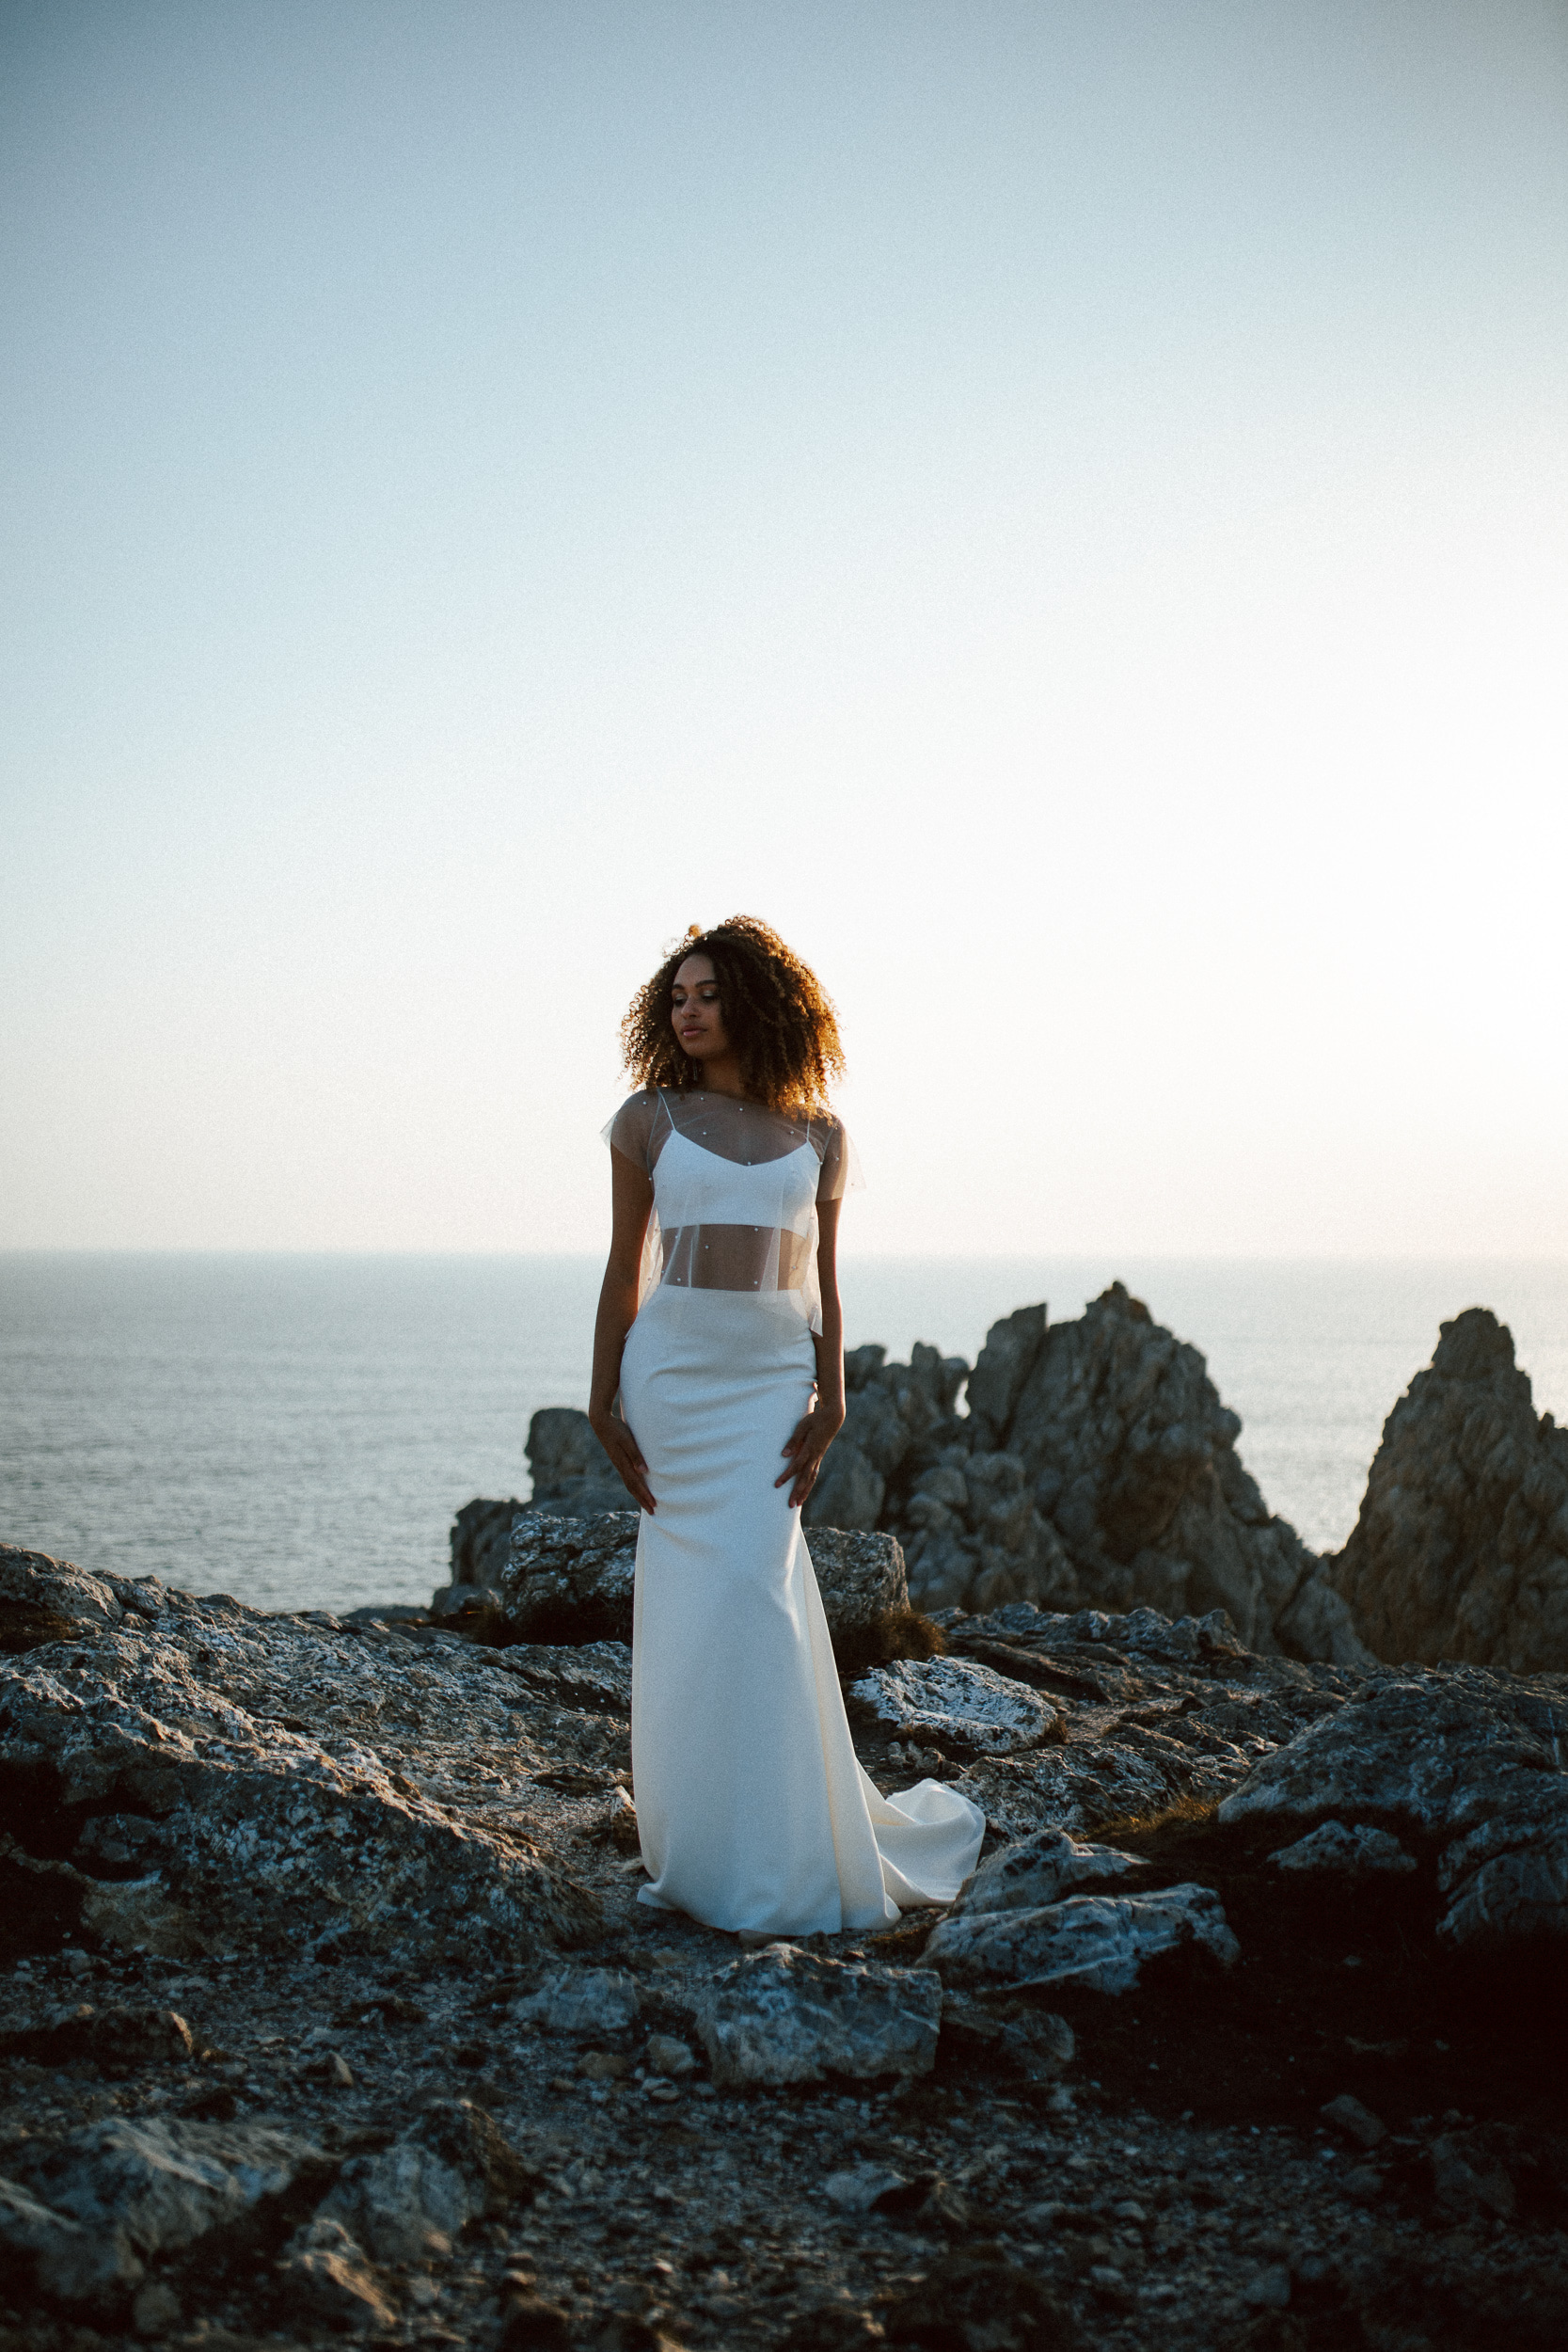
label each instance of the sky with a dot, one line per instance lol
(1060, 508)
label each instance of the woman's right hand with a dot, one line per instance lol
(622, 1448)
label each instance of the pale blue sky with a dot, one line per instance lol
(1059, 507)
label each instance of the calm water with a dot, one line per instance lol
(299, 1431)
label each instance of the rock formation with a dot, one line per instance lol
(1095, 1465)
(570, 1579)
(1460, 1549)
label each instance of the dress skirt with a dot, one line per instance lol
(753, 1811)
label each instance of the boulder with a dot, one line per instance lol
(955, 1704)
(1100, 1943)
(408, 2203)
(1460, 1547)
(1039, 1871)
(1466, 1760)
(88, 2214)
(781, 2015)
(220, 1780)
(571, 1579)
(584, 2002)
(1352, 1853)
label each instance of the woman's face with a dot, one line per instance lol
(695, 1012)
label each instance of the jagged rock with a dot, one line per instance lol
(212, 1772)
(1469, 1761)
(571, 1579)
(583, 2002)
(1127, 1454)
(955, 1704)
(43, 1599)
(1098, 1942)
(890, 1411)
(1460, 1547)
(323, 2276)
(781, 2015)
(1355, 1853)
(89, 2213)
(1039, 1871)
(409, 2203)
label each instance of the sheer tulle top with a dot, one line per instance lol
(735, 1188)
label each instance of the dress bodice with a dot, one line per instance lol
(736, 1192)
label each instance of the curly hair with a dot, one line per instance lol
(779, 1020)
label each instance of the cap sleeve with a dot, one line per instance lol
(631, 1130)
(841, 1168)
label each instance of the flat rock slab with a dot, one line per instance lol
(1099, 1941)
(1039, 1871)
(956, 1703)
(781, 2015)
(96, 2209)
(1467, 1759)
(222, 1780)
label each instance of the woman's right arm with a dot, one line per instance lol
(632, 1197)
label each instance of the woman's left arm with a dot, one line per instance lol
(821, 1425)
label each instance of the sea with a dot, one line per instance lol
(300, 1431)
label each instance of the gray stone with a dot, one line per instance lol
(1469, 2179)
(94, 2210)
(1035, 2043)
(324, 2277)
(1358, 2123)
(668, 2057)
(1039, 1871)
(1100, 1943)
(1358, 1853)
(1460, 1547)
(781, 2015)
(582, 2002)
(858, 2189)
(954, 1703)
(408, 2203)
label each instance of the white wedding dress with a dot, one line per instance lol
(753, 1811)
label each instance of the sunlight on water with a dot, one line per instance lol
(299, 1431)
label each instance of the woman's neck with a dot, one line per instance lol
(722, 1075)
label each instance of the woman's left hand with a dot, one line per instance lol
(803, 1454)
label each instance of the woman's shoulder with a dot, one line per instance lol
(631, 1130)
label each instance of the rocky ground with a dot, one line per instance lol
(330, 2008)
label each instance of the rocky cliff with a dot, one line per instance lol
(1460, 1549)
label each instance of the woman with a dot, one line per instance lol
(720, 1327)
